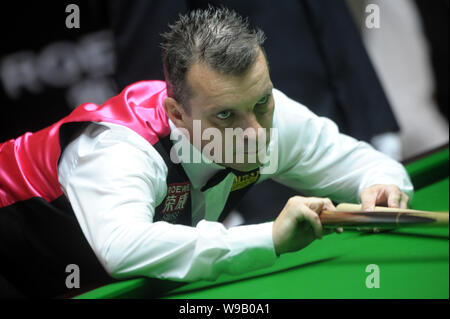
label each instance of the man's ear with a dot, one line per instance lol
(175, 112)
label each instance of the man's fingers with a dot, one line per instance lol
(389, 195)
(394, 197)
(404, 201)
(308, 210)
(310, 216)
(328, 204)
(369, 198)
(318, 204)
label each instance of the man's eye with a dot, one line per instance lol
(263, 100)
(223, 115)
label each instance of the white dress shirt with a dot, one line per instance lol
(114, 179)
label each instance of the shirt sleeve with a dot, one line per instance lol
(316, 159)
(114, 179)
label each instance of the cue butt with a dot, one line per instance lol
(351, 216)
(358, 207)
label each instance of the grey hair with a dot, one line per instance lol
(217, 37)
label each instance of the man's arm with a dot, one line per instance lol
(318, 160)
(114, 180)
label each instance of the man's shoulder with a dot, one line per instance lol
(153, 85)
(115, 139)
(114, 133)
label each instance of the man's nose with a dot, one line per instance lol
(253, 127)
(255, 135)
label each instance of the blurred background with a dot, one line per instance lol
(378, 68)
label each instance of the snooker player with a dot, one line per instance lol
(103, 188)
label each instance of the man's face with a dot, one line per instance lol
(226, 101)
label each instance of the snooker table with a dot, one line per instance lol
(411, 262)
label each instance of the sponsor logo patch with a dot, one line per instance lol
(244, 180)
(176, 199)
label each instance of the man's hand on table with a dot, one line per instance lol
(382, 195)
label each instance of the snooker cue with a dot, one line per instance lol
(351, 216)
